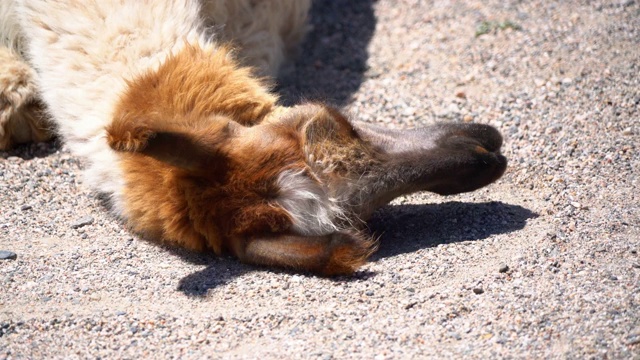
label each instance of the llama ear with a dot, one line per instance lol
(327, 124)
(191, 148)
(186, 151)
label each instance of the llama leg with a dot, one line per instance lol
(22, 118)
(333, 254)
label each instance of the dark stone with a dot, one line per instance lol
(7, 255)
(83, 221)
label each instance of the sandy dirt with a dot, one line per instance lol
(542, 264)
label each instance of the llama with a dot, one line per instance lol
(194, 150)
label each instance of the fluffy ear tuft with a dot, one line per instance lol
(128, 138)
(327, 124)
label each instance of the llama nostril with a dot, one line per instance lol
(488, 137)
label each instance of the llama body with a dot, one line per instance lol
(195, 150)
(84, 51)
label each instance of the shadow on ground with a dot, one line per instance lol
(33, 150)
(402, 229)
(407, 228)
(333, 57)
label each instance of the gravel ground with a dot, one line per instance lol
(542, 264)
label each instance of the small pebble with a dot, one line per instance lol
(83, 221)
(478, 291)
(453, 109)
(410, 305)
(633, 339)
(25, 207)
(503, 268)
(7, 255)
(408, 111)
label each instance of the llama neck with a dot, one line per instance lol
(192, 85)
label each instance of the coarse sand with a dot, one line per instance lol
(542, 264)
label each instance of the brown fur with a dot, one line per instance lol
(333, 143)
(203, 144)
(334, 254)
(197, 177)
(200, 83)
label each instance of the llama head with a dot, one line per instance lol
(308, 170)
(245, 189)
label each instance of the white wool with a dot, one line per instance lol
(313, 212)
(84, 50)
(10, 35)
